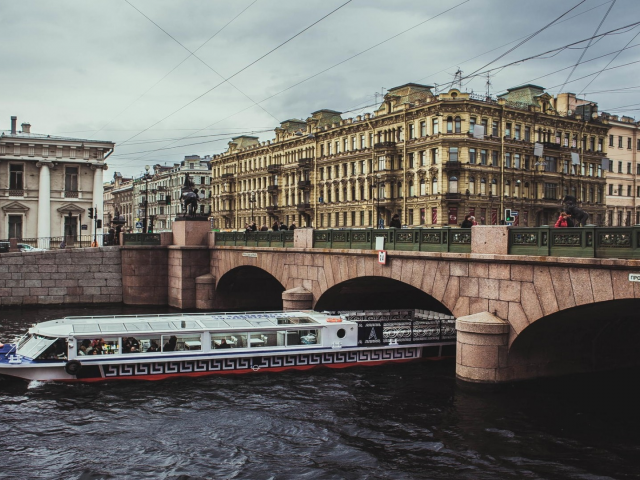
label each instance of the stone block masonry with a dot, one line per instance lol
(74, 275)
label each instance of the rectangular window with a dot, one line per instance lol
(619, 190)
(611, 140)
(423, 129)
(494, 158)
(434, 156)
(362, 144)
(410, 160)
(619, 167)
(516, 134)
(629, 167)
(507, 130)
(472, 124)
(453, 154)
(412, 131)
(16, 177)
(611, 189)
(600, 144)
(527, 134)
(434, 124)
(507, 160)
(620, 142)
(381, 163)
(550, 191)
(552, 164)
(516, 160)
(434, 215)
(592, 144)
(337, 146)
(472, 155)
(628, 190)
(483, 157)
(15, 226)
(346, 145)
(629, 143)
(71, 179)
(423, 158)
(485, 124)
(353, 143)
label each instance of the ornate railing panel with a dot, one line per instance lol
(141, 239)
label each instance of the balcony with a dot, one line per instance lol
(451, 165)
(227, 175)
(16, 193)
(551, 146)
(225, 213)
(273, 209)
(70, 194)
(304, 184)
(273, 169)
(305, 163)
(383, 145)
(303, 207)
(272, 188)
(453, 197)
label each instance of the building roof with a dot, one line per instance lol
(39, 136)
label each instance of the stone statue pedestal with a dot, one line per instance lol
(191, 231)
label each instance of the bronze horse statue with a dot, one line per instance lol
(578, 215)
(189, 198)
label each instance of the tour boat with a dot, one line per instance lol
(155, 347)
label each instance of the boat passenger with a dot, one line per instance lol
(224, 344)
(82, 350)
(170, 346)
(154, 347)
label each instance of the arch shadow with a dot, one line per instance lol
(587, 338)
(377, 293)
(248, 288)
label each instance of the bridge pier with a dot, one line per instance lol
(298, 298)
(482, 348)
(205, 292)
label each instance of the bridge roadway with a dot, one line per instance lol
(518, 317)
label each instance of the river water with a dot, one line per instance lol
(392, 422)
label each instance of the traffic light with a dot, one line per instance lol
(91, 213)
(168, 200)
(507, 215)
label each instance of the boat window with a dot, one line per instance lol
(112, 327)
(262, 339)
(214, 323)
(179, 343)
(224, 340)
(237, 322)
(262, 322)
(141, 344)
(56, 351)
(190, 324)
(294, 320)
(86, 328)
(161, 326)
(99, 346)
(35, 345)
(308, 337)
(137, 327)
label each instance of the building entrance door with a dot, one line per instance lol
(71, 227)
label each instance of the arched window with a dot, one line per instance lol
(483, 186)
(458, 125)
(449, 124)
(472, 186)
(423, 187)
(494, 187)
(453, 184)
(434, 186)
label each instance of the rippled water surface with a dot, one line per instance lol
(393, 422)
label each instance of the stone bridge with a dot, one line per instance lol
(518, 317)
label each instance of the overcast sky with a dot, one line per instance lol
(94, 69)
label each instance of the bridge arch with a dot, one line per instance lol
(586, 338)
(377, 293)
(248, 287)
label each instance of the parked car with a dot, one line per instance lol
(28, 248)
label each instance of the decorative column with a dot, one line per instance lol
(98, 193)
(44, 201)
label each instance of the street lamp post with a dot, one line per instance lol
(252, 200)
(379, 184)
(146, 200)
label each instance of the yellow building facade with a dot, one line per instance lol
(430, 158)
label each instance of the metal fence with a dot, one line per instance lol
(141, 239)
(281, 238)
(54, 243)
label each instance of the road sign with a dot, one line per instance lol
(138, 224)
(382, 257)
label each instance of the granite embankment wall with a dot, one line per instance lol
(75, 275)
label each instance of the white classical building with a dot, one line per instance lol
(48, 183)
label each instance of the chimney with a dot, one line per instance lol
(26, 128)
(14, 120)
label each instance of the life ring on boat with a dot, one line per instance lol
(72, 367)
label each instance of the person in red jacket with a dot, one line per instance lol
(563, 220)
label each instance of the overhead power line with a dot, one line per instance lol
(333, 66)
(174, 68)
(200, 60)
(584, 51)
(238, 72)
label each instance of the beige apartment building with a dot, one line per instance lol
(623, 189)
(48, 183)
(430, 158)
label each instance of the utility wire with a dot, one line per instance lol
(199, 59)
(331, 67)
(237, 73)
(607, 65)
(526, 39)
(174, 68)
(584, 51)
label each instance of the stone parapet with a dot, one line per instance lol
(205, 292)
(490, 239)
(185, 264)
(190, 232)
(72, 275)
(303, 238)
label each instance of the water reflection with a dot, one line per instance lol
(397, 422)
